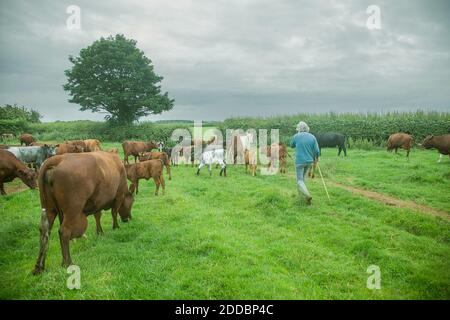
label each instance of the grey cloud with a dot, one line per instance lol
(231, 58)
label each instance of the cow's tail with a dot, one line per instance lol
(44, 180)
(166, 162)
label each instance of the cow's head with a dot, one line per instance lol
(49, 150)
(428, 142)
(152, 145)
(28, 177)
(125, 208)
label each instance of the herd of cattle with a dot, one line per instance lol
(78, 178)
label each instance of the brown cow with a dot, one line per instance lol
(37, 144)
(187, 155)
(312, 168)
(157, 155)
(11, 167)
(92, 145)
(80, 143)
(134, 148)
(26, 138)
(145, 170)
(400, 140)
(68, 147)
(441, 143)
(251, 160)
(73, 186)
(282, 153)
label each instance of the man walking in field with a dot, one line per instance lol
(306, 151)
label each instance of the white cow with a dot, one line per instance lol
(211, 157)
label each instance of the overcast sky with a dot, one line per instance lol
(227, 58)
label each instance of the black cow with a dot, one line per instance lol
(331, 139)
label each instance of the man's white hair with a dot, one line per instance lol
(302, 127)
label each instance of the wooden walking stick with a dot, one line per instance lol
(323, 181)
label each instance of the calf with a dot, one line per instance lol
(281, 149)
(68, 147)
(211, 157)
(73, 186)
(157, 155)
(33, 155)
(312, 168)
(251, 160)
(80, 144)
(134, 148)
(331, 140)
(11, 168)
(92, 145)
(441, 143)
(400, 140)
(26, 139)
(145, 170)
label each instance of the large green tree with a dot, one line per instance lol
(113, 76)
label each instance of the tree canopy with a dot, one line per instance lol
(113, 76)
(16, 112)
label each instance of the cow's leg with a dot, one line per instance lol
(132, 188)
(73, 226)
(221, 167)
(202, 163)
(339, 150)
(45, 226)
(137, 186)
(209, 168)
(98, 224)
(157, 183)
(163, 184)
(224, 166)
(407, 153)
(114, 211)
(2, 189)
(345, 150)
(168, 171)
(125, 158)
(135, 158)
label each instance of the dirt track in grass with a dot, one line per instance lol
(391, 201)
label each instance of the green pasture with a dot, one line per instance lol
(244, 237)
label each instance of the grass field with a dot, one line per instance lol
(244, 237)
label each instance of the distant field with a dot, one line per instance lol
(244, 237)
